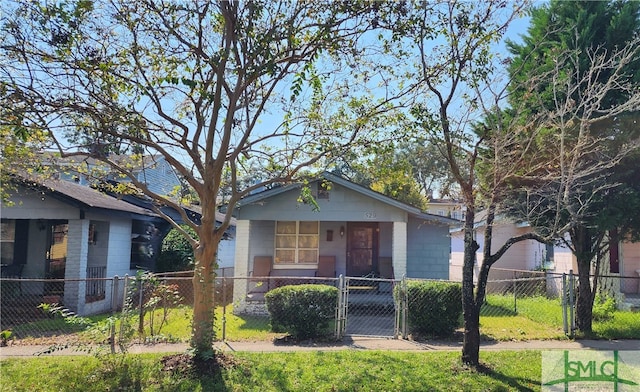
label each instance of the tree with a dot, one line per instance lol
(385, 170)
(586, 54)
(459, 94)
(212, 87)
(430, 168)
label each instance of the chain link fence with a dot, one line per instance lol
(158, 308)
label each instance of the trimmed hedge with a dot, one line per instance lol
(434, 308)
(304, 311)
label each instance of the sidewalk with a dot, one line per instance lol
(350, 343)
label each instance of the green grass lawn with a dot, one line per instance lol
(538, 317)
(301, 371)
(533, 318)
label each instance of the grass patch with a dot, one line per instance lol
(301, 371)
(243, 327)
(623, 325)
(539, 317)
(531, 318)
(176, 327)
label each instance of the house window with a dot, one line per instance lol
(7, 237)
(297, 242)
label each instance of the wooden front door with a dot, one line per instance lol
(362, 248)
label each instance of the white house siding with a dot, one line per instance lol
(119, 246)
(524, 255)
(76, 265)
(427, 250)
(399, 256)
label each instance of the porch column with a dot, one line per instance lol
(76, 265)
(399, 249)
(243, 228)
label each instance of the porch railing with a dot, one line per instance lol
(96, 283)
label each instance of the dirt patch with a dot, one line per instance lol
(188, 365)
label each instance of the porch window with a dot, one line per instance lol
(297, 242)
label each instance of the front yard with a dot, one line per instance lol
(302, 371)
(533, 318)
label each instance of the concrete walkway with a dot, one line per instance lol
(349, 343)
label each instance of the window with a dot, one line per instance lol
(8, 237)
(297, 242)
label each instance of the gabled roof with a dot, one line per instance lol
(354, 187)
(136, 164)
(84, 197)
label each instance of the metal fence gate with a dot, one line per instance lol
(367, 307)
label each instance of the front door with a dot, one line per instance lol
(362, 248)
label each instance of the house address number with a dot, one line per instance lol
(370, 215)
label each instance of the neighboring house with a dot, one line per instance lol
(153, 171)
(527, 255)
(530, 255)
(357, 231)
(628, 265)
(447, 207)
(58, 229)
(158, 175)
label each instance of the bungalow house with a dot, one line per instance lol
(158, 176)
(356, 231)
(61, 230)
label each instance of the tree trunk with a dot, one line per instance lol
(584, 301)
(471, 341)
(471, 312)
(203, 299)
(581, 238)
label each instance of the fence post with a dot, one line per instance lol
(565, 325)
(125, 287)
(114, 294)
(572, 316)
(114, 308)
(141, 315)
(397, 305)
(405, 306)
(339, 311)
(515, 293)
(224, 309)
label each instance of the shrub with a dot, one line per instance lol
(604, 306)
(303, 311)
(434, 308)
(176, 253)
